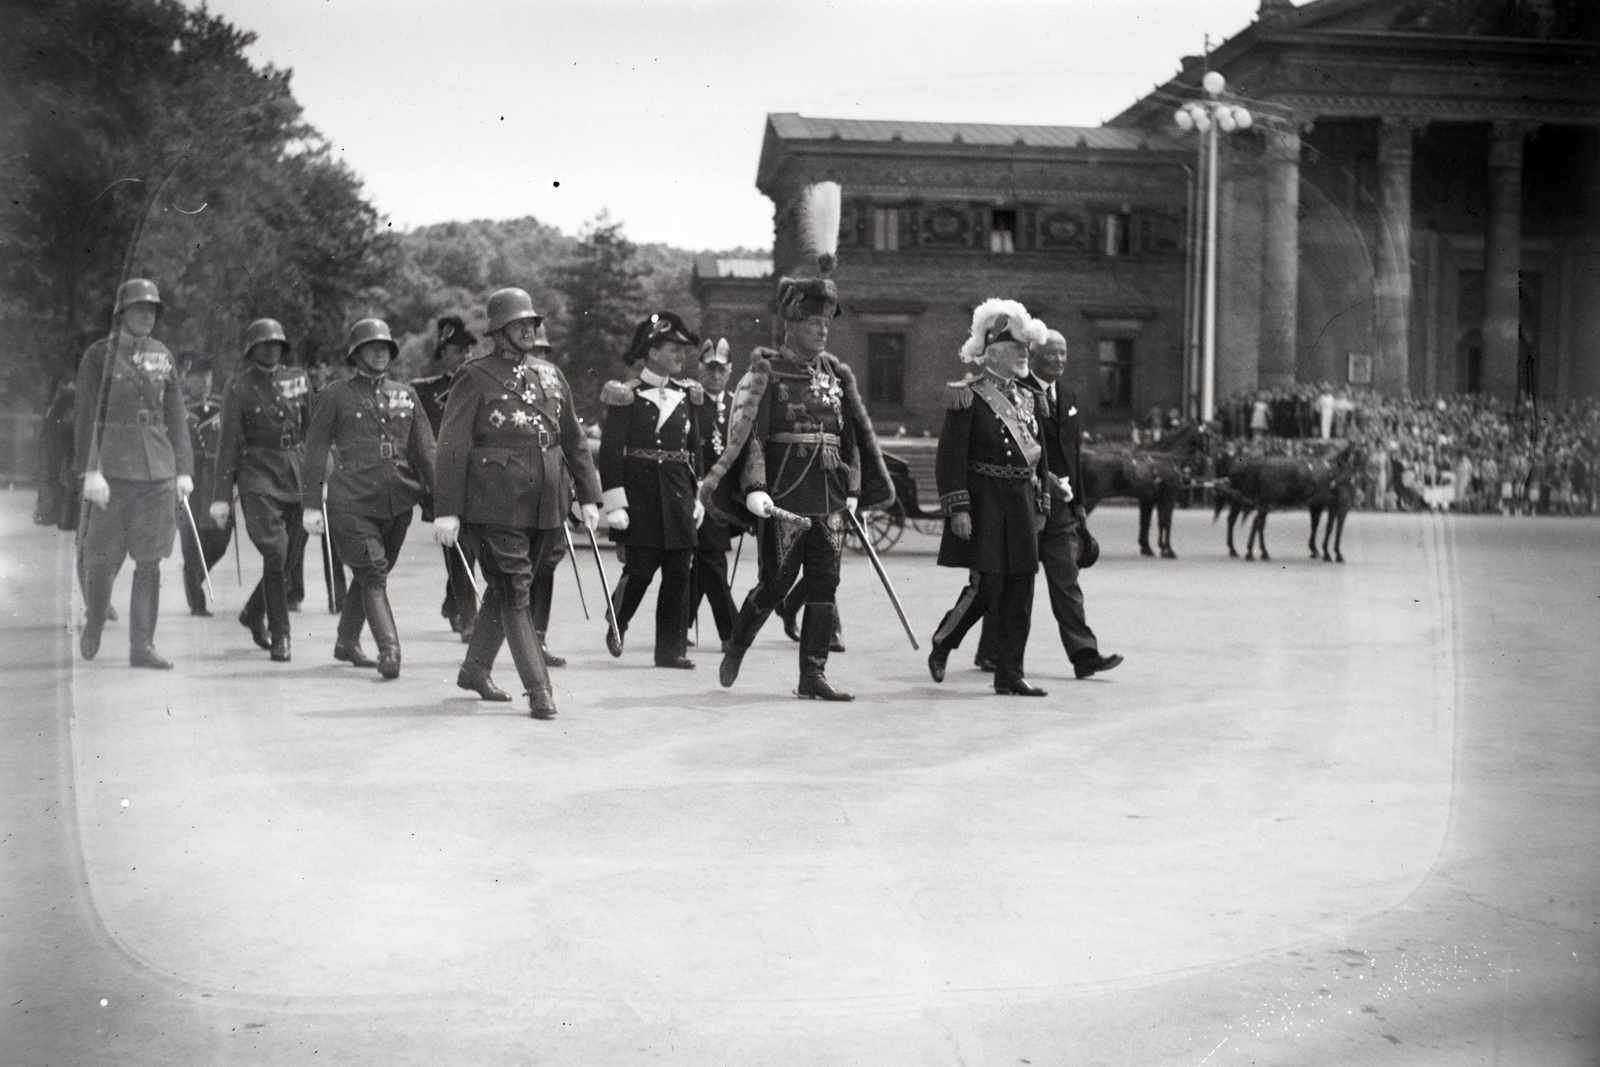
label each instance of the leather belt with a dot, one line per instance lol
(659, 455)
(287, 440)
(805, 439)
(142, 418)
(990, 470)
(386, 450)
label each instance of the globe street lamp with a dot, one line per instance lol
(1210, 118)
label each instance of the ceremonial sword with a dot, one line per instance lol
(872, 554)
(577, 576)
(473, 582)
(200, 548)
(238, 567)
(327, 556)
(605, 587)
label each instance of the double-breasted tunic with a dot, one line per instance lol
(991, 464)
(650, 457)
(509, 428)
(383, 451)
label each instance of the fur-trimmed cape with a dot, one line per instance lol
(720, 492)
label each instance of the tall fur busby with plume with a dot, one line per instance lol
(1001, 320)
(817, 220)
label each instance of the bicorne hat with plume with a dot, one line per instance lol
(997, 320)
(817, 218)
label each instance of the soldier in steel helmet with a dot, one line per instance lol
(384, 466)
(265, 411)
(510, 435)
(800, 443)
(650, 470)
(453, 344)
(134, 453)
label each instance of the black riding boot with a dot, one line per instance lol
(274, 590)
(746, 625)
(375, 598)
(254, 617)
(543, 590)
(524, 642)
(816, 633)
(347, 643)
(143, 606)
(487, 637)
(96, 583)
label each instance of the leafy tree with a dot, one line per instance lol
(605, 298)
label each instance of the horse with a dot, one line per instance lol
(1261, 483)
(1152, 475)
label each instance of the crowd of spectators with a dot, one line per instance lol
(1466, 453)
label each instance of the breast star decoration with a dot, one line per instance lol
(497, 417)
(826, 388)
(520, 418)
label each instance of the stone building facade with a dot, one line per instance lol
(1416, 207)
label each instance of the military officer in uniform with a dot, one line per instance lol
(509, 429)
(134, 453)
(544, 579)
(265, 410)
(649, 470)
(1065, 544)
(800, 440)
(453, 346)
(709, 575)
(205, 427)
(383, 466)
(992, 478)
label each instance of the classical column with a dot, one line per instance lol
(1502, 260)
(1393, 372)
(1280, 257)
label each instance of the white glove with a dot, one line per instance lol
(185, 485)
(699, 513)
(96, 490)
(618, 519)
(852, 504)
(311, 521)
(1062, 488)
(591, 516)
(759, 502)
(446, 528)
(219, 513)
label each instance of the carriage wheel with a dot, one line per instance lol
(931, 527)
(884, 529)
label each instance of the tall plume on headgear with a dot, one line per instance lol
(818, 218)
(1001, 320)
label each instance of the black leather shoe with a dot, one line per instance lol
(936, 661)
(614, 641)
(680, 663)
(478, 681)
(147, 656)
(728, 673)
(550, 658)
(389, 663)
(352, 654)
(984, 663)
(280, 649)
(791, 623)
(204, 613)
(258, 629)
(836, 645)
(1017, 687)
(89, 644)
(455, 621)
(1095, 663)
(817, 687)
(541, 705)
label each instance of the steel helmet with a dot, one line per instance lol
(264, 330)
(137, 291)
(368, 330)
(511, 305)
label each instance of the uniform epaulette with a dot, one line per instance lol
(958, 395)
(429, 380)
(696, 391)
(617, 394)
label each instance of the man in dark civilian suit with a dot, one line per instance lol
(709, 577)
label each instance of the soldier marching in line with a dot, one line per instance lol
(134, 453)
(1065, 544)
(992, 475)
(265, 411)
(650, 471)
(708, 577)
(509, 429)
(205, 429)
(383, 466)
(453, 346)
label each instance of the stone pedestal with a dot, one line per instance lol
(1280, 257)
(1503, 260)
(1393, 372)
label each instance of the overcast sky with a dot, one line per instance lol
(655, 110)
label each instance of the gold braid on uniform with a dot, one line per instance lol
(618, 394)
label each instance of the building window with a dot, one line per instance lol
(1116, 372)
(886, 369)
(1002, 231)
(1118, 232)
(885, 229)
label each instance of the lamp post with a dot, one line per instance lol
(1210, 118)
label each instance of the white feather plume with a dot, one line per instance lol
(1024, 327)
(818, 210)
